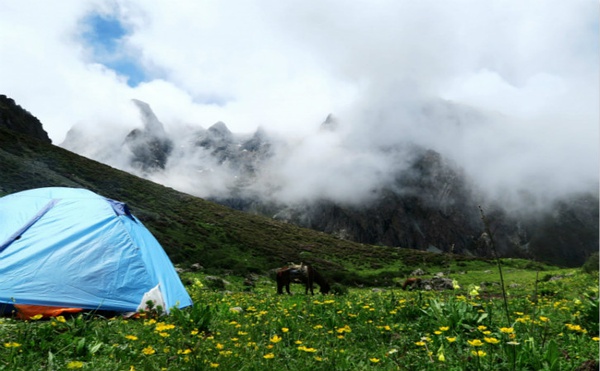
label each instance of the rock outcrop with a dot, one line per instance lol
(14, 117)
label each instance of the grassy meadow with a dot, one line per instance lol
(551, 325)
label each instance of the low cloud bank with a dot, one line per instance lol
(348, 158)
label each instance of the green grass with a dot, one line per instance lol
(364, 329)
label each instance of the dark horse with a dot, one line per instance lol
(300, 273)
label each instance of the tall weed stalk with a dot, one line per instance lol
(488, 230)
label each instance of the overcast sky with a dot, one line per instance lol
(285, 65)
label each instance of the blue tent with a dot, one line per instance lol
(71, 248)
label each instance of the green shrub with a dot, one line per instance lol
(591, 264)
(339, 289)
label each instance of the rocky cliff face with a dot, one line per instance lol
(568, 232)
(241, 154)
(432, 206)
(14, 117)
(429, 207)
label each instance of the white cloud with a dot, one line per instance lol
(531, 67)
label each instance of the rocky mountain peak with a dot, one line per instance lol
(220, 130)
(152, 126)
(330, 123)
(150, 146)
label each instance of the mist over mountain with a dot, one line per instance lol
(409, 173)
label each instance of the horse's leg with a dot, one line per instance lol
(287, 288)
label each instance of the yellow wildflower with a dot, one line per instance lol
(420, 343)
(160, 327)
(507, 330)
(491, 340)
(269, 356)
(451, 339)
(148, 350)
(374, 360)
(275, 339)
(444, 328)
(346, 328)
(75, 364)
(131, 337)
(455, 285)
(478, 353)
(36, 317)
(285, 329)
(12, 345)
(475, 343)
(441, 357)
(574, 327)
(474, 290)
(306, 349)
(61, 319)
(214, 365)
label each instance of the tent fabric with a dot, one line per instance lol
(69, 247)
(25, 311)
